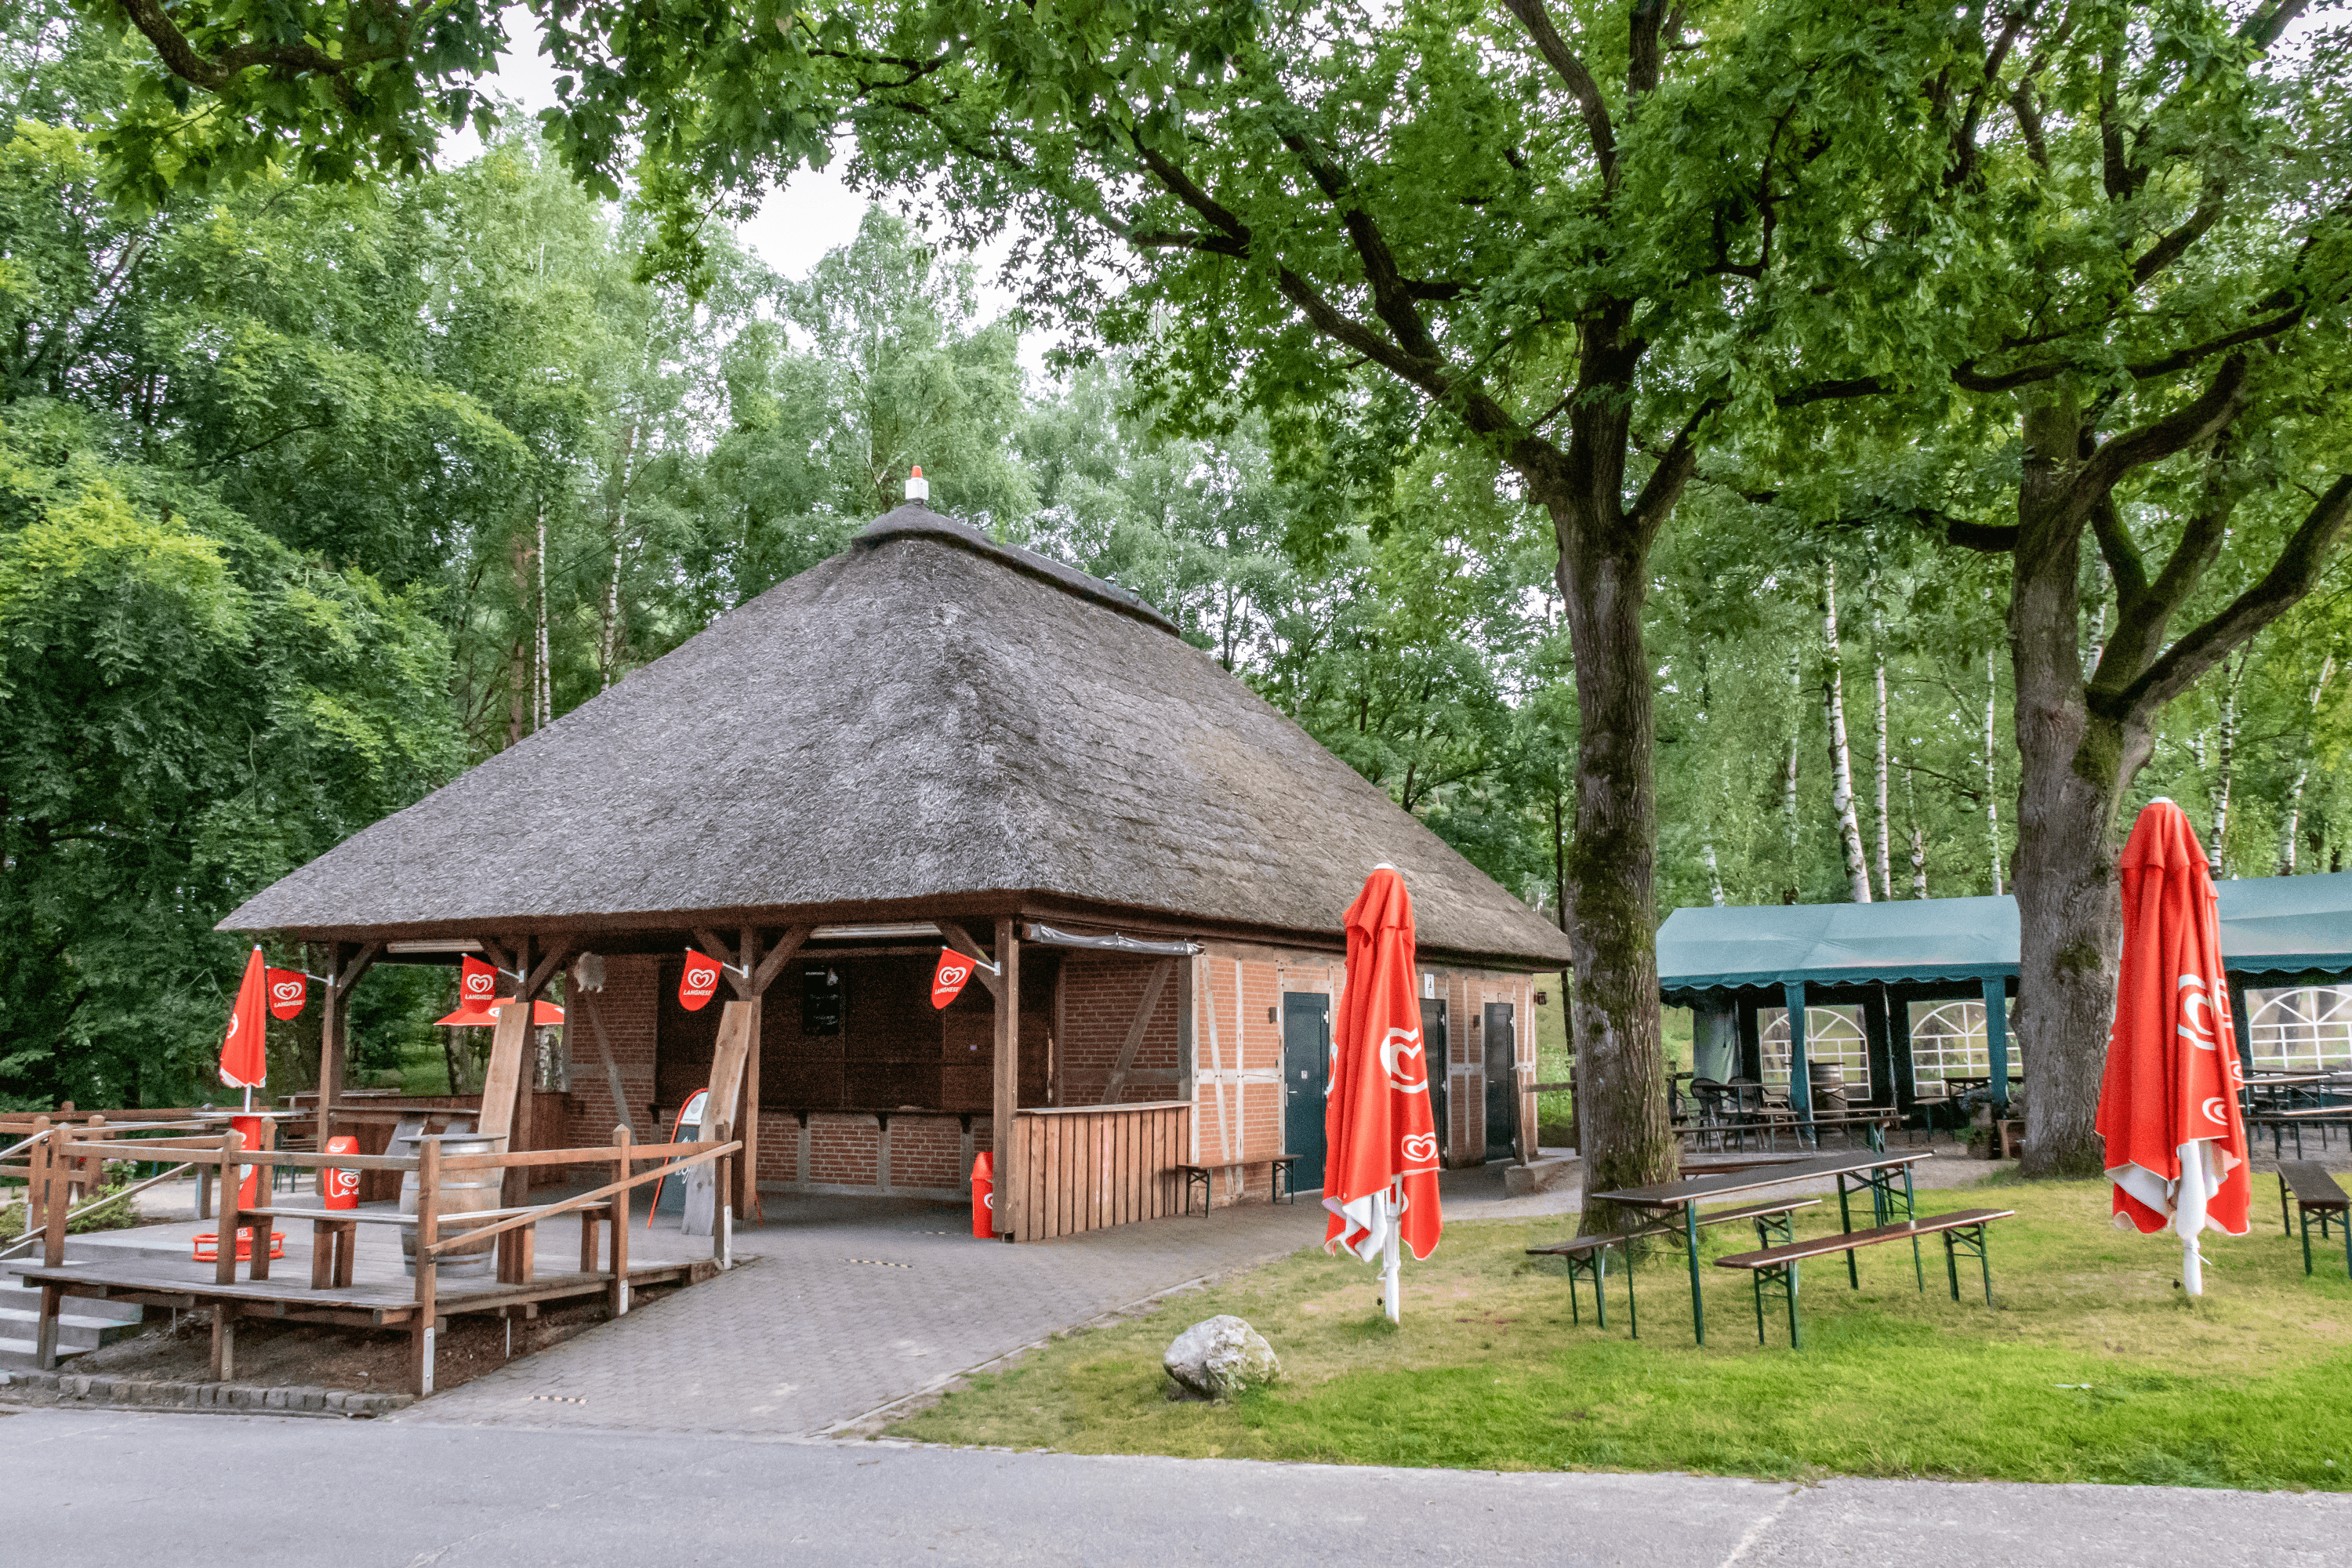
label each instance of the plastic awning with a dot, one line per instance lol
(2270, 925)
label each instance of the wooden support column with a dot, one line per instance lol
(1011, 1219)
(735, 1064)
(225, 1226)
(341, 974)
(617, 1296)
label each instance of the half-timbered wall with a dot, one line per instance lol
(1096, 1012)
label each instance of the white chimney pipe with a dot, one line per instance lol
(918, 487)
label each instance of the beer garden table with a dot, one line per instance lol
(1871, 1171)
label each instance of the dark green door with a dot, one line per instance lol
(1440, 1069)
(1502, 1053)
(1306, 1079)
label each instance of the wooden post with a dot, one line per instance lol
(1009, 1218)
(428, 1231)
(722, 1241)
(334, 1001)
(735, 1064)
(619, 1294)
(45, 1340)
(224, 1231)
(224, 1366)
(51, 1190)
(265, 1190)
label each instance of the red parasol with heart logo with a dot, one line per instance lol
(243, 1055)
(1381, 1177)
(2168, 1103)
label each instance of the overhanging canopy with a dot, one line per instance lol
(2270, 926)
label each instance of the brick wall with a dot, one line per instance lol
(625, 1008)
(1100, 996)
(927, 1156)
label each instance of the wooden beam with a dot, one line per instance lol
(1134, 1031)
(738, 970)
(503, 1084)
(788, 943)
(960, 940)
(586, 1003)
(1010, 1219)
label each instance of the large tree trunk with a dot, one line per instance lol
(1620, 1101)
(2073, 769)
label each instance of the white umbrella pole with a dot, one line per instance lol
(2188, 1215)
(1392, 1281)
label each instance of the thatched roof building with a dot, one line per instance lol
(932, 738)
(926, 716)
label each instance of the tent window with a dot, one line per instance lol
(1831, 1035)
(2306, 1029)
(1947, 1040)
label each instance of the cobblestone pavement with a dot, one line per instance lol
(851, 1304)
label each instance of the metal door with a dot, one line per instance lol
(1306, 1080)
(1502, 1105)
(1440, 1070)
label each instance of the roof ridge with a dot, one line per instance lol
(916, 520)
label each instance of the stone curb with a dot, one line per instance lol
(225, 1397)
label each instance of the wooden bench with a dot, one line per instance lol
(2315, 1193)
(1279, 1188)
(1775, 1267)
(1587, 1256)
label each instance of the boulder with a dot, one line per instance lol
(1220, 1356)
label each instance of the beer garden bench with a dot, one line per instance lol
(2315, 1193)
(1587, 1256)
(1775, 1267)
(1277, 1182)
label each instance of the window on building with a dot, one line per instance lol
(2307, 1028)
(1831, 1035)
(1947, 1040)
(820, 1000)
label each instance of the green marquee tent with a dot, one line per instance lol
(1728, 962)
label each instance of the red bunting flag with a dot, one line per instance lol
(478, 986)
(699, 984)
(244, 1063)
(288, 992)
(948, 980)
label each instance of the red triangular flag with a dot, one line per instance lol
(244, 1058)
(700, 982)
(948, 980)
(478, 984)
(287, 991)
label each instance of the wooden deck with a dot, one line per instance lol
(371, 1303)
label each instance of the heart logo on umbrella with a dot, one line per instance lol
(1401, 1059)
(1420, 1148)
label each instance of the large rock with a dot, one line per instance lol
(1219, 1357)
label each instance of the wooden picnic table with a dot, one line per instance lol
(1871, 1169)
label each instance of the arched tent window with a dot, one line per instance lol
(1947, 1040)
(2307, 1028)
(1831, 1035)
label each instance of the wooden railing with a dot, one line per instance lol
(69, 1155)
(1091, 1167)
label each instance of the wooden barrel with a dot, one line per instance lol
(1828, 1082)
(460, 1192)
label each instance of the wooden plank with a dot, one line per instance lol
(262, 1190)
(224, 1224)
(739, 1030)
(956, 937)
(1050, 1221)
(501, 1085)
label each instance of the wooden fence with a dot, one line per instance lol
(1091, 1167)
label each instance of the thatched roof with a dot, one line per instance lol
(926, 716)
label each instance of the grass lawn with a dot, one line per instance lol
(2090, 1367)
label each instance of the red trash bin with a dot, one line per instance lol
(342, 1186)
(983, 1196)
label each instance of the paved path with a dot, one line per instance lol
(102, 1488)
(853, 1303)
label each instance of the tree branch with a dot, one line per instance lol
(1578, 80)
(2292, 576)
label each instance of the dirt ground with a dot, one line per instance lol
(177, 1348)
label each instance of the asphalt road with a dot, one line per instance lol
(210, 1491)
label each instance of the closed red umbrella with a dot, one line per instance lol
(1380, 1174)
(465, 1017)
(2169, 1105)
(244, 1056)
